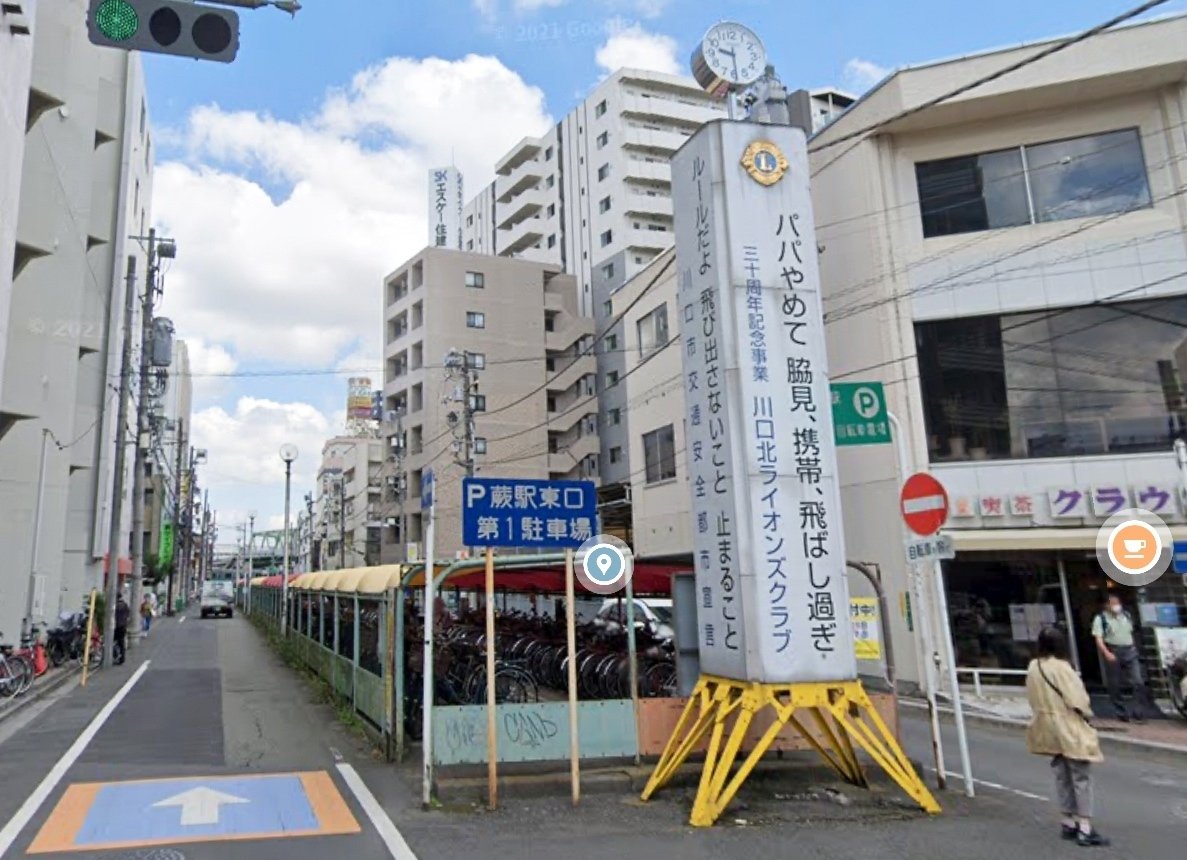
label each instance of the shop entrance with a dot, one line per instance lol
(999, 601)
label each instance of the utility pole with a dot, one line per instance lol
(308, 552)
(251, 539)
(458, 370)
(397, 456)
(111, 591)
(203, 569)
(157, 249)
(342, 522)
(31, 599)
(177, 515)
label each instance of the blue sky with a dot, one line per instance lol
(293, 179)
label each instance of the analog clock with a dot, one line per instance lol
(729, 57)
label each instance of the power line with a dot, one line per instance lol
(992, 76)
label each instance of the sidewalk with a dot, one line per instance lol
(1007, 707)
(53, 679)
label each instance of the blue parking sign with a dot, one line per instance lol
(426, 489)
(1179, 559)
(528, 514)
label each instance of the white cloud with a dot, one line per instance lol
(295, 276)
(209, 364)
(635, 48)
(533, 5)
(859, 75)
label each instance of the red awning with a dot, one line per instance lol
(649, 578)
(276, 580)
(124, 564)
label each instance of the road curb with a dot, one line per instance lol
(1108, 741)
(37, 692)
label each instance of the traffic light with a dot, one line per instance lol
(165, 27)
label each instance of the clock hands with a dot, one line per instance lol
(733, 55)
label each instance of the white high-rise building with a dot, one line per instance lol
(85, 187)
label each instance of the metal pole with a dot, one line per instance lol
(632, 650)
(177, 509)
(571, 635)
(492, 738)
(342, 522)
(142, 430)
(1067, 611)
(923, 619)
(251, 539)
(111, 590)
(37, 514)
(284, 573)
(957, 705)
(427, 695)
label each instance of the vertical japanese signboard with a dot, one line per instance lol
(772, 598)
(445, 208)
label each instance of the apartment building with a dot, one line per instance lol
(347, 507)
(172, 411)
(532, 395)
(1012, 266)
(86, 182)
(16, 67)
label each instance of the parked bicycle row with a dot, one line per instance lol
(40, 649)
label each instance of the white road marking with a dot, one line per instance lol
(391, 837)
(997, 785)
(29, 808)
(923, 504)
(200, 805)
(182, 619)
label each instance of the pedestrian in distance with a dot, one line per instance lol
(123, 614)
(1112, 628)
(146, 615)
(1060, 728)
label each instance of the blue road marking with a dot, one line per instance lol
(126, 812)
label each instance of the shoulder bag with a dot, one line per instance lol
(1085, 717)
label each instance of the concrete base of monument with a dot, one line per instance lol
(834, 718)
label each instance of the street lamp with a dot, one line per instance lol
(288, 453)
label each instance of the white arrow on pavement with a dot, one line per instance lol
(200, 805)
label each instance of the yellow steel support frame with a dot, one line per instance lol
(840, 712)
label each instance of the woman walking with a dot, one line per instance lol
(146, 614)
(1060, 729)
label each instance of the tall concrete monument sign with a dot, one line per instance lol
(772, 597)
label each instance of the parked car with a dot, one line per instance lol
(653, 612)
(218, 598)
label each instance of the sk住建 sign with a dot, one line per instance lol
(528, 514)
(867, 640)
(935, 548)
(859, 413)
(426, 489)
(924, 504)
(772, 594)
(445, 208)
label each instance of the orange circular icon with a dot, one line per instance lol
(1134, 547)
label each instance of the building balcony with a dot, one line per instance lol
(648, 204)
(526, 234)
(645, 107)
(525, 176)
(526, 149)
(522, 206)
(662, 140)
(568, 458)
(570, 372)
(567, 330)
(652, 240)
(649, 171)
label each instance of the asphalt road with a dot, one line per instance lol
(215, 707)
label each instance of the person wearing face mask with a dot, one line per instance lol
(1113, 631)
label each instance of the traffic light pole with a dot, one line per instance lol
(178, 508)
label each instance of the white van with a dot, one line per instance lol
(654, 611)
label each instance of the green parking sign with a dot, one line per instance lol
(859, 413)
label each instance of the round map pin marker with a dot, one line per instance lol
(603, 561)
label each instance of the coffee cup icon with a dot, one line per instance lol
(1134, 548)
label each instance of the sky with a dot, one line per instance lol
(295, 178)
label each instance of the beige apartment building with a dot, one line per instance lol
(1012, 266)
(347, 506)
(532, 394)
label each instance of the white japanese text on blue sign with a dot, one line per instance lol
(512, 512)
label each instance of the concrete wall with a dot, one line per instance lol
(83, 158)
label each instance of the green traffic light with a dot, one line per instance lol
(117, 20)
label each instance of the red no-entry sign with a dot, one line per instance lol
(924, 504)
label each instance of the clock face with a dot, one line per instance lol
(734, 53)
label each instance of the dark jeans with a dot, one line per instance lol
(1126, 669)
(119, 647)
